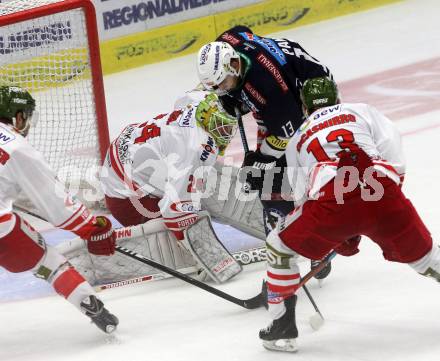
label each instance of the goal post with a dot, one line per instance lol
(51, 48)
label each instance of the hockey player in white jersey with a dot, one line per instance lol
(159, 168)
(23, 169)
(349, 160)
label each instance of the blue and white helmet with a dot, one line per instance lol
(214, 64)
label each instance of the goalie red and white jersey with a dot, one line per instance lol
(168, 157)
(23, 169)
(316, 146)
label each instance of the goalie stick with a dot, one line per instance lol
(244, 257)
(251, 303)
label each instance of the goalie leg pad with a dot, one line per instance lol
(152, 240)
(206, 248)
(228, 203)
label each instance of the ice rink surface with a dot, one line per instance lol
(388, 57)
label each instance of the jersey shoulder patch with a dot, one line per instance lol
(6, 136)
(187, 119)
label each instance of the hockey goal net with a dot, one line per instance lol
(51, 48)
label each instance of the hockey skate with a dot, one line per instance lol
(281, 334)
(100, 316)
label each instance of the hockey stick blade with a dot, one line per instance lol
(251, 303)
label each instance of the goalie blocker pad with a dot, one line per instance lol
(211, 254)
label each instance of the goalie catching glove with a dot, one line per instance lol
(100, 236)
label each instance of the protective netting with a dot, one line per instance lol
(50, 57)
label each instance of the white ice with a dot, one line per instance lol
(374, 310)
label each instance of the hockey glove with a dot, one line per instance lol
(256, 165)
(349, 247)
(100, 237)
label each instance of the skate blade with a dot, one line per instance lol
(283, 345)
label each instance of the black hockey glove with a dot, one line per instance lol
(229, 104)
(255, 165)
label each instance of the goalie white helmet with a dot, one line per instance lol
(214, 64)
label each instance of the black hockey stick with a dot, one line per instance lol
(241, 130)
(271, 196)
(250, 303)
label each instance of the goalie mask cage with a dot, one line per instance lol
(51, 48)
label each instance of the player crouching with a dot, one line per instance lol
(158, 170)
(351, 160)
(23, 169)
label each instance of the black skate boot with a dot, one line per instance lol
(281, 334)
(323, 273)
(94, 308)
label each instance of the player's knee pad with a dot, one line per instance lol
(51, 264)
(22, 248)
(277, 251)
(429, 264)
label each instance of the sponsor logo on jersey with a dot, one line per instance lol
(267, 63)
(123, 143)
(248, 102)
(255, 93)
(267, 44)
(277, 143)
(337, 120)
(231, 39)
(35, 37)
(204, 54)
(185, 207)
(321, 113)
(5, 136)
(185, 121)
(208, 149)
(249, 45)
